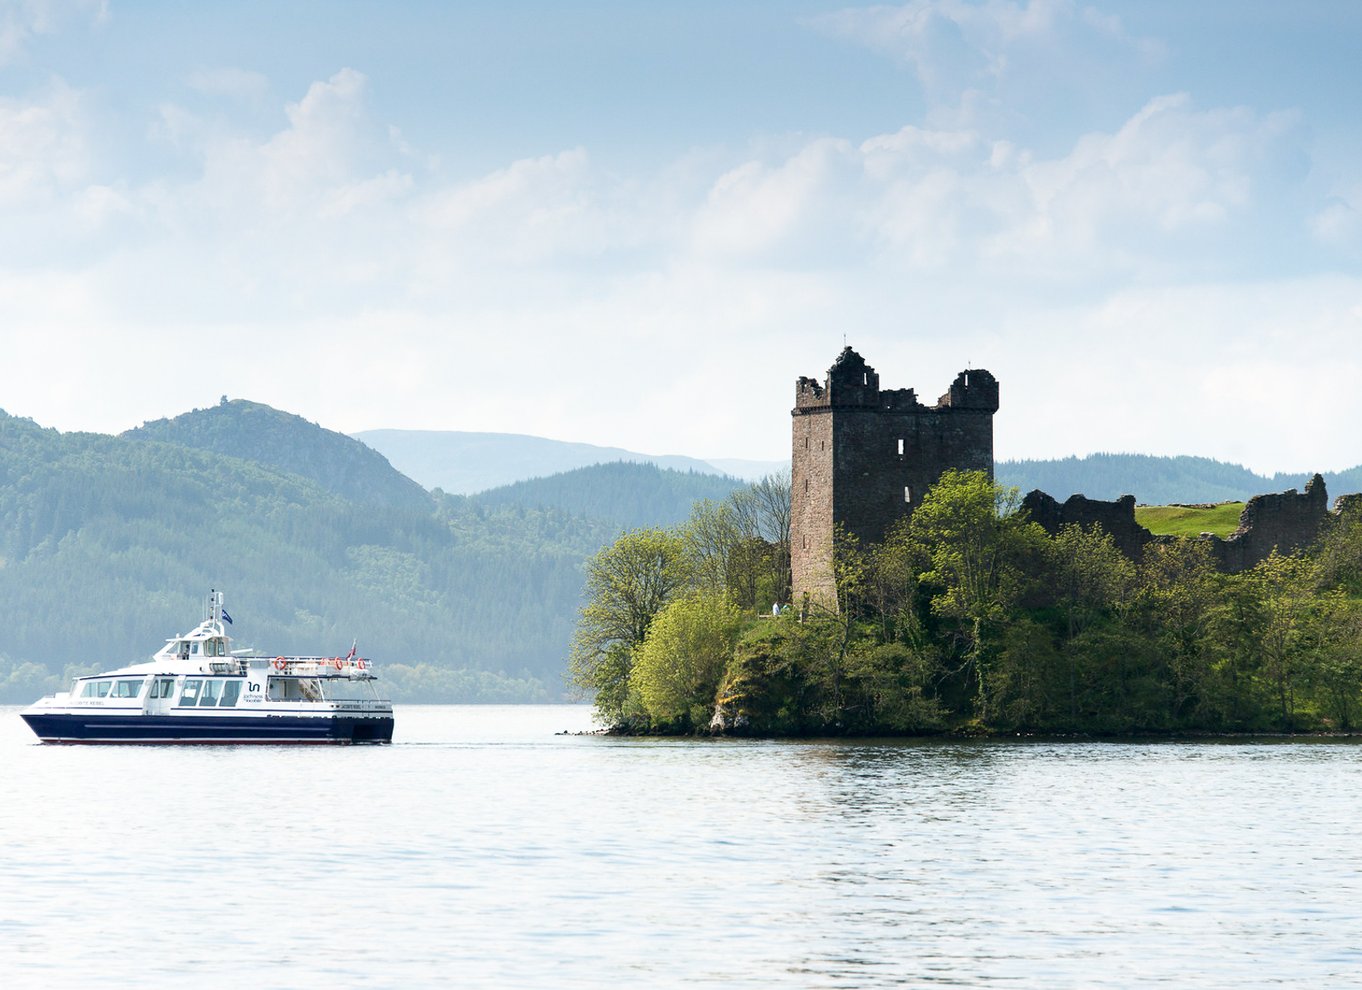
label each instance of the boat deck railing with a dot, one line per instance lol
(352, 667)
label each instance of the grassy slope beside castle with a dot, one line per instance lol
(972, 618)
(1190, 520)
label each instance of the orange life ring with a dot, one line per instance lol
(279, 663)
(362, 664)
(338, 662)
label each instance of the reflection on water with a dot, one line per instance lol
(481, 849)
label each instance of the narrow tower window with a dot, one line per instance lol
(907, 494)
(900, 448)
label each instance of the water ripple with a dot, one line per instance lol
(483, 850)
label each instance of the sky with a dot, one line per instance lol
(636, 224)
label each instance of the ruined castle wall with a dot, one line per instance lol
(1285, 522)
(1116, 518)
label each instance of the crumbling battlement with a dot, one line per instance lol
(1283, 522)
(1116, 518)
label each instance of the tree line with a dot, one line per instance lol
(970, 617)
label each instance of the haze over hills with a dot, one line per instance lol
(474, 462)
(464, 463)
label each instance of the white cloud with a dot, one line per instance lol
(1338, 222)
(331, 270)
(997, 60)
(22, 20)
(43, 150)
(793, 207)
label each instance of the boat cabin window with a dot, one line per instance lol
(127, 689)
(96, 689)
(231, 691)
(294, 689)
(189, 694)
(208, 696)
(162, 687)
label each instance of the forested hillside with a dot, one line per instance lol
(628, 495)
(1157, 480)
(108, 544)
(258, 433)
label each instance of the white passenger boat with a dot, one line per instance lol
(195, 690)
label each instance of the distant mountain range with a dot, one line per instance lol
(464, 463)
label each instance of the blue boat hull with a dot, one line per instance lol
(181, 729)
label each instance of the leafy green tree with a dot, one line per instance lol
(889, 689)
(1339, 550)
(627, 584)
(1091, 580)
(1030, 679)
(720, 546)
(1267, 631)
(1179, 595)
(678, 666)
(975, 545)
(767, 504)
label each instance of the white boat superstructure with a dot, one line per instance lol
(195, 689)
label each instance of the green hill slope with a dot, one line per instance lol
(627, 495)
(269, 437)
(107, 545)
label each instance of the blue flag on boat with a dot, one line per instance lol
(226, 618)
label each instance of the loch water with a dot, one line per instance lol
(483, 849)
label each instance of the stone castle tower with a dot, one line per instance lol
(864, 457)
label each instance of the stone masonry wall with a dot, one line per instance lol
(1116, 518)
(1285, 522)
(864, 457)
